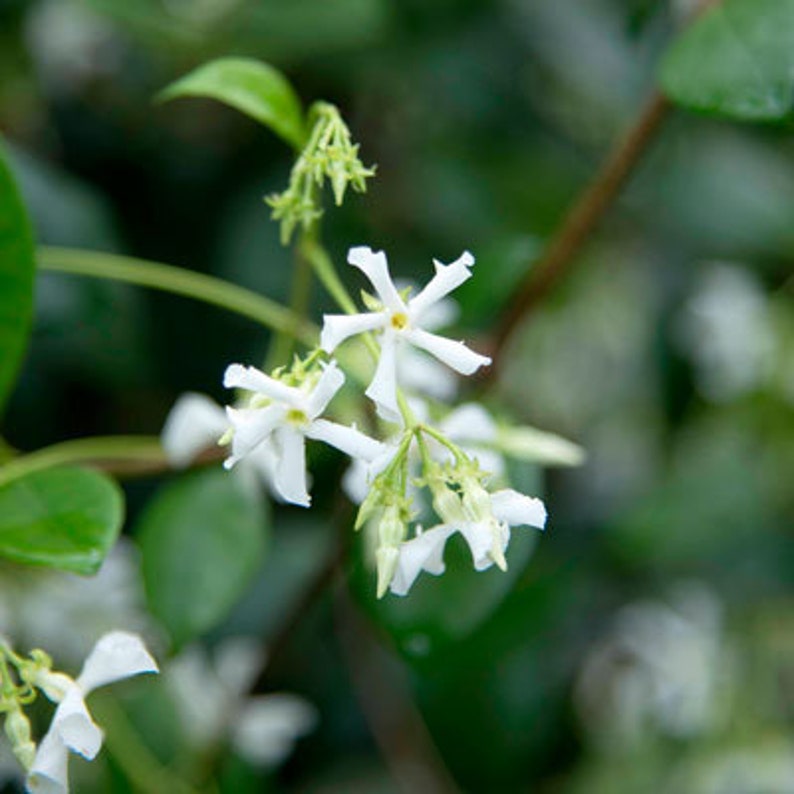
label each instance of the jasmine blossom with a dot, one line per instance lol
(116, 656)
(399, 321)
(286, 416)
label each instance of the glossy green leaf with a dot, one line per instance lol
(202, 539)
(737, 61)
(250, 86)
(17, 267)
(64, 518)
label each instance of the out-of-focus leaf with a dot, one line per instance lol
(65, 518)
(250, 86)
(17, 267)
(736, 61)
(202, 540)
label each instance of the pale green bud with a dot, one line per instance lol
(447, 504)
(17, 728)
(386, 558)
(391, 529)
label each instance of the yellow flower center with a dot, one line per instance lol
(296, 417)
(399, 320)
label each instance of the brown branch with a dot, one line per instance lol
(560, 254)
(385, 699)
(591, 205)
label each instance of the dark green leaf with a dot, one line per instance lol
(737, 61)
(62, 518)
(250, 86)
(17, 267)
(202, 539)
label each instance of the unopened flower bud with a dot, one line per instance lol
(386, 558)
(476, 501)
(447, 504)
(17, 728)
(391, 529)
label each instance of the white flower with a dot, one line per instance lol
(287, 417)
(473, 429)
(116, 656)
(485, 526)
(210, 699)
(400, 321)
(196, 423)
(663, 666)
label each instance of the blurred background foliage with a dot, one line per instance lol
(645, 642)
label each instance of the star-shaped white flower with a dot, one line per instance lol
(116, 656)
(487, 535)
(196, 423)
(287, 417)
(401, 321)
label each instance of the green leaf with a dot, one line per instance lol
(736, 61)
(17, 268)
(64, 518)
(250, 86)
(202, 540)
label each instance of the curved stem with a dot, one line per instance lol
(180, 282)
(146, 772)
(300, 297)
(325, 271)
(114, 454)
(578, 224)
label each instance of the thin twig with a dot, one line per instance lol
(386, 702)
(560, 254)
(588, 209)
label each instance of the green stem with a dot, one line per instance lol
(325, 271)
(300, 298)
(126, 449)
(142, 767)
(460, 456)
(180, 282)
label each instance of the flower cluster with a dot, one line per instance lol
(329, 154)
(277, 413)
(117, 655)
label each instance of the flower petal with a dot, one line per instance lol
(49, 773)
(419, 372)
(424, 552)
(480, 537)
(239, 377)
(446, 279)
(349, 440)
(290, 480)
(453, 354)
(251, 427)
(267, 726)
(383, 389)
(374, 266)
(329, 384)
(117, 655)
(193, 424)
(517, 509)
(73, 724)
(338, 327)
(440, 315)
(469, 422)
